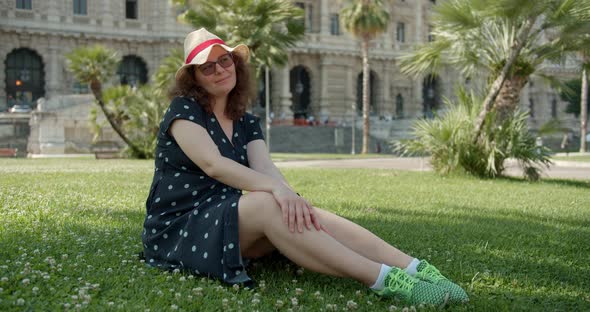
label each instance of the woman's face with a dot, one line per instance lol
(222, 80)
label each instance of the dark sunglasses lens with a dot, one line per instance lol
(207, 68)
(225, 61)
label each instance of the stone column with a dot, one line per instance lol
(47, 134)
(324, 105)
(53, 13)
(285, 102)
(416, 109)
(386, 104)
(107, 14)
(324, 18)
(418, 30)
(54, 73)
(349, 94)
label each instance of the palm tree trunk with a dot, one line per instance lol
(497, 85)
(509, 96)
(96, 88)
(584, 111)
(365, 55)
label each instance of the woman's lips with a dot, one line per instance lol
(222, 80)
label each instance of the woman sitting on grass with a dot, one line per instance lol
(210, 150)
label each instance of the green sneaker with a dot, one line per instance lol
(427, 272)
(411, 290)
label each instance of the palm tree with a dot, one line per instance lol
(365, 19)
(95, 65)
(504, 39)
(267, 27)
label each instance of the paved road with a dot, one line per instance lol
(560, 169)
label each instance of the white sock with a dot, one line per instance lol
(379, 283)
(412, 268)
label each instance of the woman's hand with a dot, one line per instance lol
(297, 212)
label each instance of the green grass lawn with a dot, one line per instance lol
(71, 231)
(584, 158)
(319, 156)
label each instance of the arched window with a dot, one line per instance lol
(399, 106)
(24, 77)
(300, 89)
(132, 71)
(261, 98)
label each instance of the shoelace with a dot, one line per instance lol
(432, 272)
(400, 281)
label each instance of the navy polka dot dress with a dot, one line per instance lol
(192, 219)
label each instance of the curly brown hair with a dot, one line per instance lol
(238, 99)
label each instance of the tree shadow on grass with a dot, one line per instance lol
(544, 261)
(560, 182)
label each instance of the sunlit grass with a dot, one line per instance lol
(319, 156)
(71, 232)
(582, 158)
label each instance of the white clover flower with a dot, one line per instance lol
(224, 302)
(358, 293)
(177, 295)
(160, 293)
(4, 279)
(255, 301)
(190, 277)
(392, 308)
(110, 303)
(236, 287)
(405, 309)
(109, 270)
(294, 301)
(176, 271)
(20, 301)
(182, 279)
(74, 297)
(298, 291)
(174, 307)
(26, 281)
(279, 304)
(351, 305)
(67, 305)
(300, 271)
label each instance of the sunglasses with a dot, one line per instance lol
(224, 61)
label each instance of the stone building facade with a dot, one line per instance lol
(322, 79)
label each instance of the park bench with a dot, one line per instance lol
(8, 152)
(106, 150)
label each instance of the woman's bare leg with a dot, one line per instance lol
(350, 235)
(362, 240)
(261, 217)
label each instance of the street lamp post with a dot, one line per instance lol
(267, 106)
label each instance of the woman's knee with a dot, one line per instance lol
(257, 205)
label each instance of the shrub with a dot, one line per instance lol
(138, 112)
(449, 140)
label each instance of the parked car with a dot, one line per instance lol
(19, 108)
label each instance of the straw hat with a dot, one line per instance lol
(198, 45)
